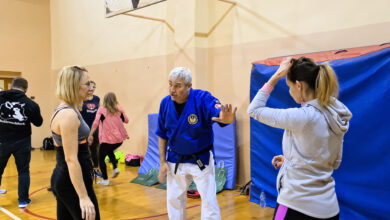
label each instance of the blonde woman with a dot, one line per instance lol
(109, 118)
(72, 177)
(312, 141)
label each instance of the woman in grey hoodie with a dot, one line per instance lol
(312, 141)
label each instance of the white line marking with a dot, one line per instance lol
(9, 214)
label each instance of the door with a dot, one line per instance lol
(6, 78)
(5, 83)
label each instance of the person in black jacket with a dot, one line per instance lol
(17, 111)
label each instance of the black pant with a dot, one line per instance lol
(93, 149)
(291, 214)
(107, 150)
(68, 203)
(21, 150)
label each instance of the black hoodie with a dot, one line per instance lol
(16, 113)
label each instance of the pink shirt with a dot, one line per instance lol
(111, 130)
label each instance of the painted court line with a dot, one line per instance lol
(14, 217)
(48, 218)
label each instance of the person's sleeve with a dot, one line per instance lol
(124, 117)
(36, 118)
(213, 108)
(95, 123)
(97, 100)
(289, 119)
(161, 130)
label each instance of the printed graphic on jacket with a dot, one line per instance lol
(91, 108)
(12, 113)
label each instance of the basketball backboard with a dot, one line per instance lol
(116, 7)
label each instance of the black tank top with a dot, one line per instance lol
(83, 154)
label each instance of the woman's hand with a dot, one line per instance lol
(87, 209)
(284, 67)
(90, 140)
(278, 161)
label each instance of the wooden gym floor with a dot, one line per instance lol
(120, 200)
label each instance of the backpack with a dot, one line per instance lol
(133, 160)
(47, 144)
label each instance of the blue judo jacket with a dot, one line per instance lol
(192, 132)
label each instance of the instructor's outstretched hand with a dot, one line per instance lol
(227, 114)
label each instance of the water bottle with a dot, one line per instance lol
(262, 199)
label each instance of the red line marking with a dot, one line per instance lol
(38, 190)
(36, 215)
(39, 172)
(159, 215)
(48, 218)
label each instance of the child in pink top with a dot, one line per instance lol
(109, 118)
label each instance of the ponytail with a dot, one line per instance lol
(326, 85)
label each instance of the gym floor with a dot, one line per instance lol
(120, 200)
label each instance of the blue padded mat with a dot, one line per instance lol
(224, 148)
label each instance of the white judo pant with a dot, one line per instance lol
(177, 186)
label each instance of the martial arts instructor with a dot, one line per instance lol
(185, 141)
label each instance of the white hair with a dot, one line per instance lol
(181, 73)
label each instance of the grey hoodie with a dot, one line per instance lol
(312, 146)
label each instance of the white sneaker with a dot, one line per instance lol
(115, 172)
(3, 191)
(104, 182)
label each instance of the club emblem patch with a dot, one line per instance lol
(192, 119)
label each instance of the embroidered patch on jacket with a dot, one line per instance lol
(217, 104)
(192, 119)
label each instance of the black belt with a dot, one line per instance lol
(194, 156)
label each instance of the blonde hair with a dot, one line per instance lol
(68, 85)
(326, 85)
(110, 103)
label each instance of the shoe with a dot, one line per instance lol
(193, 193)
(50, 189)
(97, 173)
(3, 191)
(115, 173)
(24, 204)
(104, 182)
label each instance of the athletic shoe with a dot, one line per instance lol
(115, 172)
(104, 182)
(3, 191)
(97, 173)
(24, 204)
(193, 193)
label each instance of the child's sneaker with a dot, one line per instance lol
(104, 182)
(115, 172)
(24, 204)
(3, 191)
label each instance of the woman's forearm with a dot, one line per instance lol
(76, 177)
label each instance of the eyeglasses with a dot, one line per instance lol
(89, 85)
